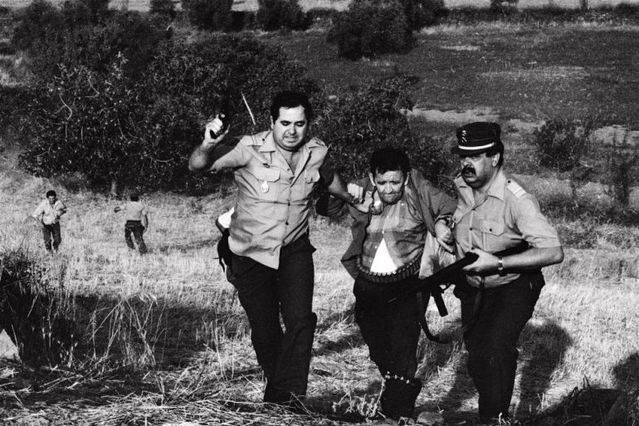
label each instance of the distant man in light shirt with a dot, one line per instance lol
(48, 214)
(400, 232)
(137, 221)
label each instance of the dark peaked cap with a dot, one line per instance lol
(478, 137)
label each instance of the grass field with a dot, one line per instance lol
(180, 340)
(164, 341)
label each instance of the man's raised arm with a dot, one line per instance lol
(203, 157)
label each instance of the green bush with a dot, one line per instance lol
(423, 13)
(210, 15)
(561, 143)
(372, 27)
(321, 16)
(37, 21)
(163, 8)
(140, 132)
(243, 20)
(621, 161)
(357, 122)
(69, 36)
(273, 15)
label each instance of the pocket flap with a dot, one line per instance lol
(269, 174)
(492, 227)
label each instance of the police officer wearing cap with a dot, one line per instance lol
(495, 214)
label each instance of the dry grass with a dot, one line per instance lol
(163, 338)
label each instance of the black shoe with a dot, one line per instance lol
(399, 396)
(285, 399)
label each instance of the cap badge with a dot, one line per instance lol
(463, 136)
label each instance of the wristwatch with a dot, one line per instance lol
(500, 266)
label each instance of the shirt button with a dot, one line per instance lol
(286, 223)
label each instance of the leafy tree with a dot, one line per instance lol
(83, 123)
(116, 131)
(277, 14)
(70, 36)
(371, 27)
(164, 8)
(211, 15)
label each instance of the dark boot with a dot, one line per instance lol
(399, 396)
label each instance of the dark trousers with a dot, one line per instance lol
(264, 293)
(135, 228)
(391, 331)
(491, 338)
(52, 236)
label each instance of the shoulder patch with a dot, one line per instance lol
(515, 188)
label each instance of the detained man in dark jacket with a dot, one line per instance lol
(400, 232)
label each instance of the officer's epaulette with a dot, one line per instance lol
(515, 188)
(255, 140)
(318, 141)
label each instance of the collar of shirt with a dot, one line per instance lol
(268, 147)
(497, 189)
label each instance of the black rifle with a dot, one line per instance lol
(431, 286)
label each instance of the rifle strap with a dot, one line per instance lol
(422, 302)
(476, 308)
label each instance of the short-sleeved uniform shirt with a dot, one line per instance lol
(508, 216)
(274, 202)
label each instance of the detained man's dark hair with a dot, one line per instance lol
(134, 197)
(290, 99)
(389, 159)
(51, 193)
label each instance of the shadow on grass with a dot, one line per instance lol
(594, 406)
(542, 349)
(183, 248)
(51, 326)
(352, 338)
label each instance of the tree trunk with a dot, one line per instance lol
(114, 191)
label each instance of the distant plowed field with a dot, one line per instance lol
(143, 5)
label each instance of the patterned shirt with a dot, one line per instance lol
(404, 227)
(508, 216)
(274, 202)
(49, 214)
(402, 230)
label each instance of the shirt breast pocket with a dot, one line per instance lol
(266, 182)
(492, 233)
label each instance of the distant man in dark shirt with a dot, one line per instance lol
(137, 221)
